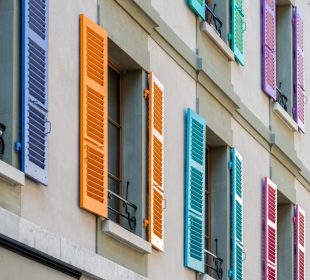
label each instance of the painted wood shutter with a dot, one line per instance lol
(35, 125)
(269, 48)
(238, 29)
(300, 246)
(194, 238)
(156, 162)
(299, 73)
(270, 230)
(198, 7)
(237, 215)
(93, 117)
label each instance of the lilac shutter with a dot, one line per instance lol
(299, 74)
(269, 48)
(300, 246)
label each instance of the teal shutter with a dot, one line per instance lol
(236, 215)
(35, 124)
(199, 7)
(194, 237)
(237, 30)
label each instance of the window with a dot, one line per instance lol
(284, 50)
(115, 184)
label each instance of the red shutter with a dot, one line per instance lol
(270, 230)
(300, 248)
(269, 48)
(299, 73)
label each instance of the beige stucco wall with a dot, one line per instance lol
(56, 207)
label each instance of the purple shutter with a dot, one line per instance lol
(269, 48)
(299, 74)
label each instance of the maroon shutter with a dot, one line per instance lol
(269, 48)
(299, 74)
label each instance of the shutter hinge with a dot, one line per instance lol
(230, 274)
(230, 165)
(294, 220)
(229, 37)
(18, 146)
(146, 92)
(145, 223)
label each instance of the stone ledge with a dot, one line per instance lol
(126, 237)
(64, 250)
(11, 175)
(285, 117)
(211, 33)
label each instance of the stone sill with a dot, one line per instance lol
(126, 237)
(285, 117)
(11, 175)
(211, 33)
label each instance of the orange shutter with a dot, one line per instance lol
(156, 162)
(93, 117)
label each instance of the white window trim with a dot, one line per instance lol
(126, 237)
(11, 175)
(285, 117)
(217, 40)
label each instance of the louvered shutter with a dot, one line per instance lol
(299, 73)
(156, 162)
(195, 192)
(93, 117)
(270, 230)
(236, 215)
(199, 7)
(300, 246)
(35, 125)
(269, 48)
(237, 30)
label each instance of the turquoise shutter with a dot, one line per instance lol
(198, 7)
(236, 215)
(35, 125)
(195, 192)
(237, 30)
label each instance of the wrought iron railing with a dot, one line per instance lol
(213, 20)
(281, 98)
(124, 208)
(215, 265)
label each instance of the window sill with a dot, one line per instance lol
(211, 33)
(11, 175)
(128, 238)
(285, 117)
(206, 277)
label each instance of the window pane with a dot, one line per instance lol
(114, 150)
(114, 95)
(114, 203)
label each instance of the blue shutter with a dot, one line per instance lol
(236, 215)
(199, 7)
(195, 192)
(35, 125)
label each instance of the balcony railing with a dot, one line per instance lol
(124, 209)
(281, 98)
(215, 265)
(213, 20)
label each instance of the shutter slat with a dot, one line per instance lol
(93, 119)
(269, 48)
(300, 246)
(237, 215)
(195, 192)
(299, 73)
(198, 7)
(156, 162)
(35, 90)
(270, 229)
(237, 30)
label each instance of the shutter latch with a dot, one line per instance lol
(230, 165)
(145, 223)
(146, 92)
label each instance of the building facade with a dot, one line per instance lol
(152, 139)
